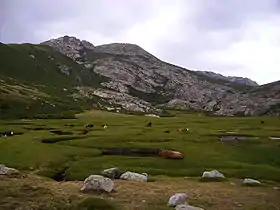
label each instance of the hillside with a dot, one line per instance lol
(74, 74)
(37, 79)
(237, 80)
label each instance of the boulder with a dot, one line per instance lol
(134, 176)
(112, 173)
(178, 199)
(251, 182)
(212, 175)
(187, 207)
(4, 170)
(97, 183)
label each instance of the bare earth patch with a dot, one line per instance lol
(229, 195)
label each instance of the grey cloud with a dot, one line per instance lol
(108, 18)
(204, 26)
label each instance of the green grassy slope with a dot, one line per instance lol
(31, 81)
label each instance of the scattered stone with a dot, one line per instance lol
(97, 183)
(178, 199)
(112, 173)
(4, 170)
(276, 188)
(31, 56)
(187, 207)
(274, 138)
(134, 176)
(251, 182)
(213, 175)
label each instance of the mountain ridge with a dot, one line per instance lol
(127, 76)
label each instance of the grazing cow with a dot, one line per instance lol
(183, 130)
(170, 154)
(166, 131)
(7, 133)
(149, 124)
(84, 132)
(105, 126)
(262, 122)
(89, 126)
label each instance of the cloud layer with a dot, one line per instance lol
(234, 37)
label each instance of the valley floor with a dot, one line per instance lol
(34, 192)
(68, 149)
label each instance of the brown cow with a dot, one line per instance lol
(170, 154)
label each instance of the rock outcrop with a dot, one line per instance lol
(97, 183)
(7, 171)
(134, 176)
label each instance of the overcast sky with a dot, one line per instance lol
(231, 37)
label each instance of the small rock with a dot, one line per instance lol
(213, 175)
(4, 170)
(178, 199)
(97, 183)
(232, 184)
(187, 207)
(134, 176)
(276, 188)
(112, 173)
(248, 181)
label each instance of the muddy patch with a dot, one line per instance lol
(58, 132)
(149, 140)
(70, 125)
(60, 139)
(131, 152)
(39, 128)
(18, 123)
(233, 138)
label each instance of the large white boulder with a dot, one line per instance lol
(134, 176)
(178, 199)
(4, 170)
(213, 175)
(248, 181)
(97, 183)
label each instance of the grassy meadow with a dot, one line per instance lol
(45, 156)
(80, 155)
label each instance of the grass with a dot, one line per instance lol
(75, 157)
(257, 158)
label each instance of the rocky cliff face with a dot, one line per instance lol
(141, 81)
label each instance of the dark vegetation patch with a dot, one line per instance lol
(58, 132)
(39, 128)
(232, 135)
(67, 115)
(153, 98)
(59, 139)
(131, 152)
(18, 123)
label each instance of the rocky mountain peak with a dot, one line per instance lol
(122, 49)
(70, 46)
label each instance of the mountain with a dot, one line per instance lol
(237, 80)
(74, 74)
